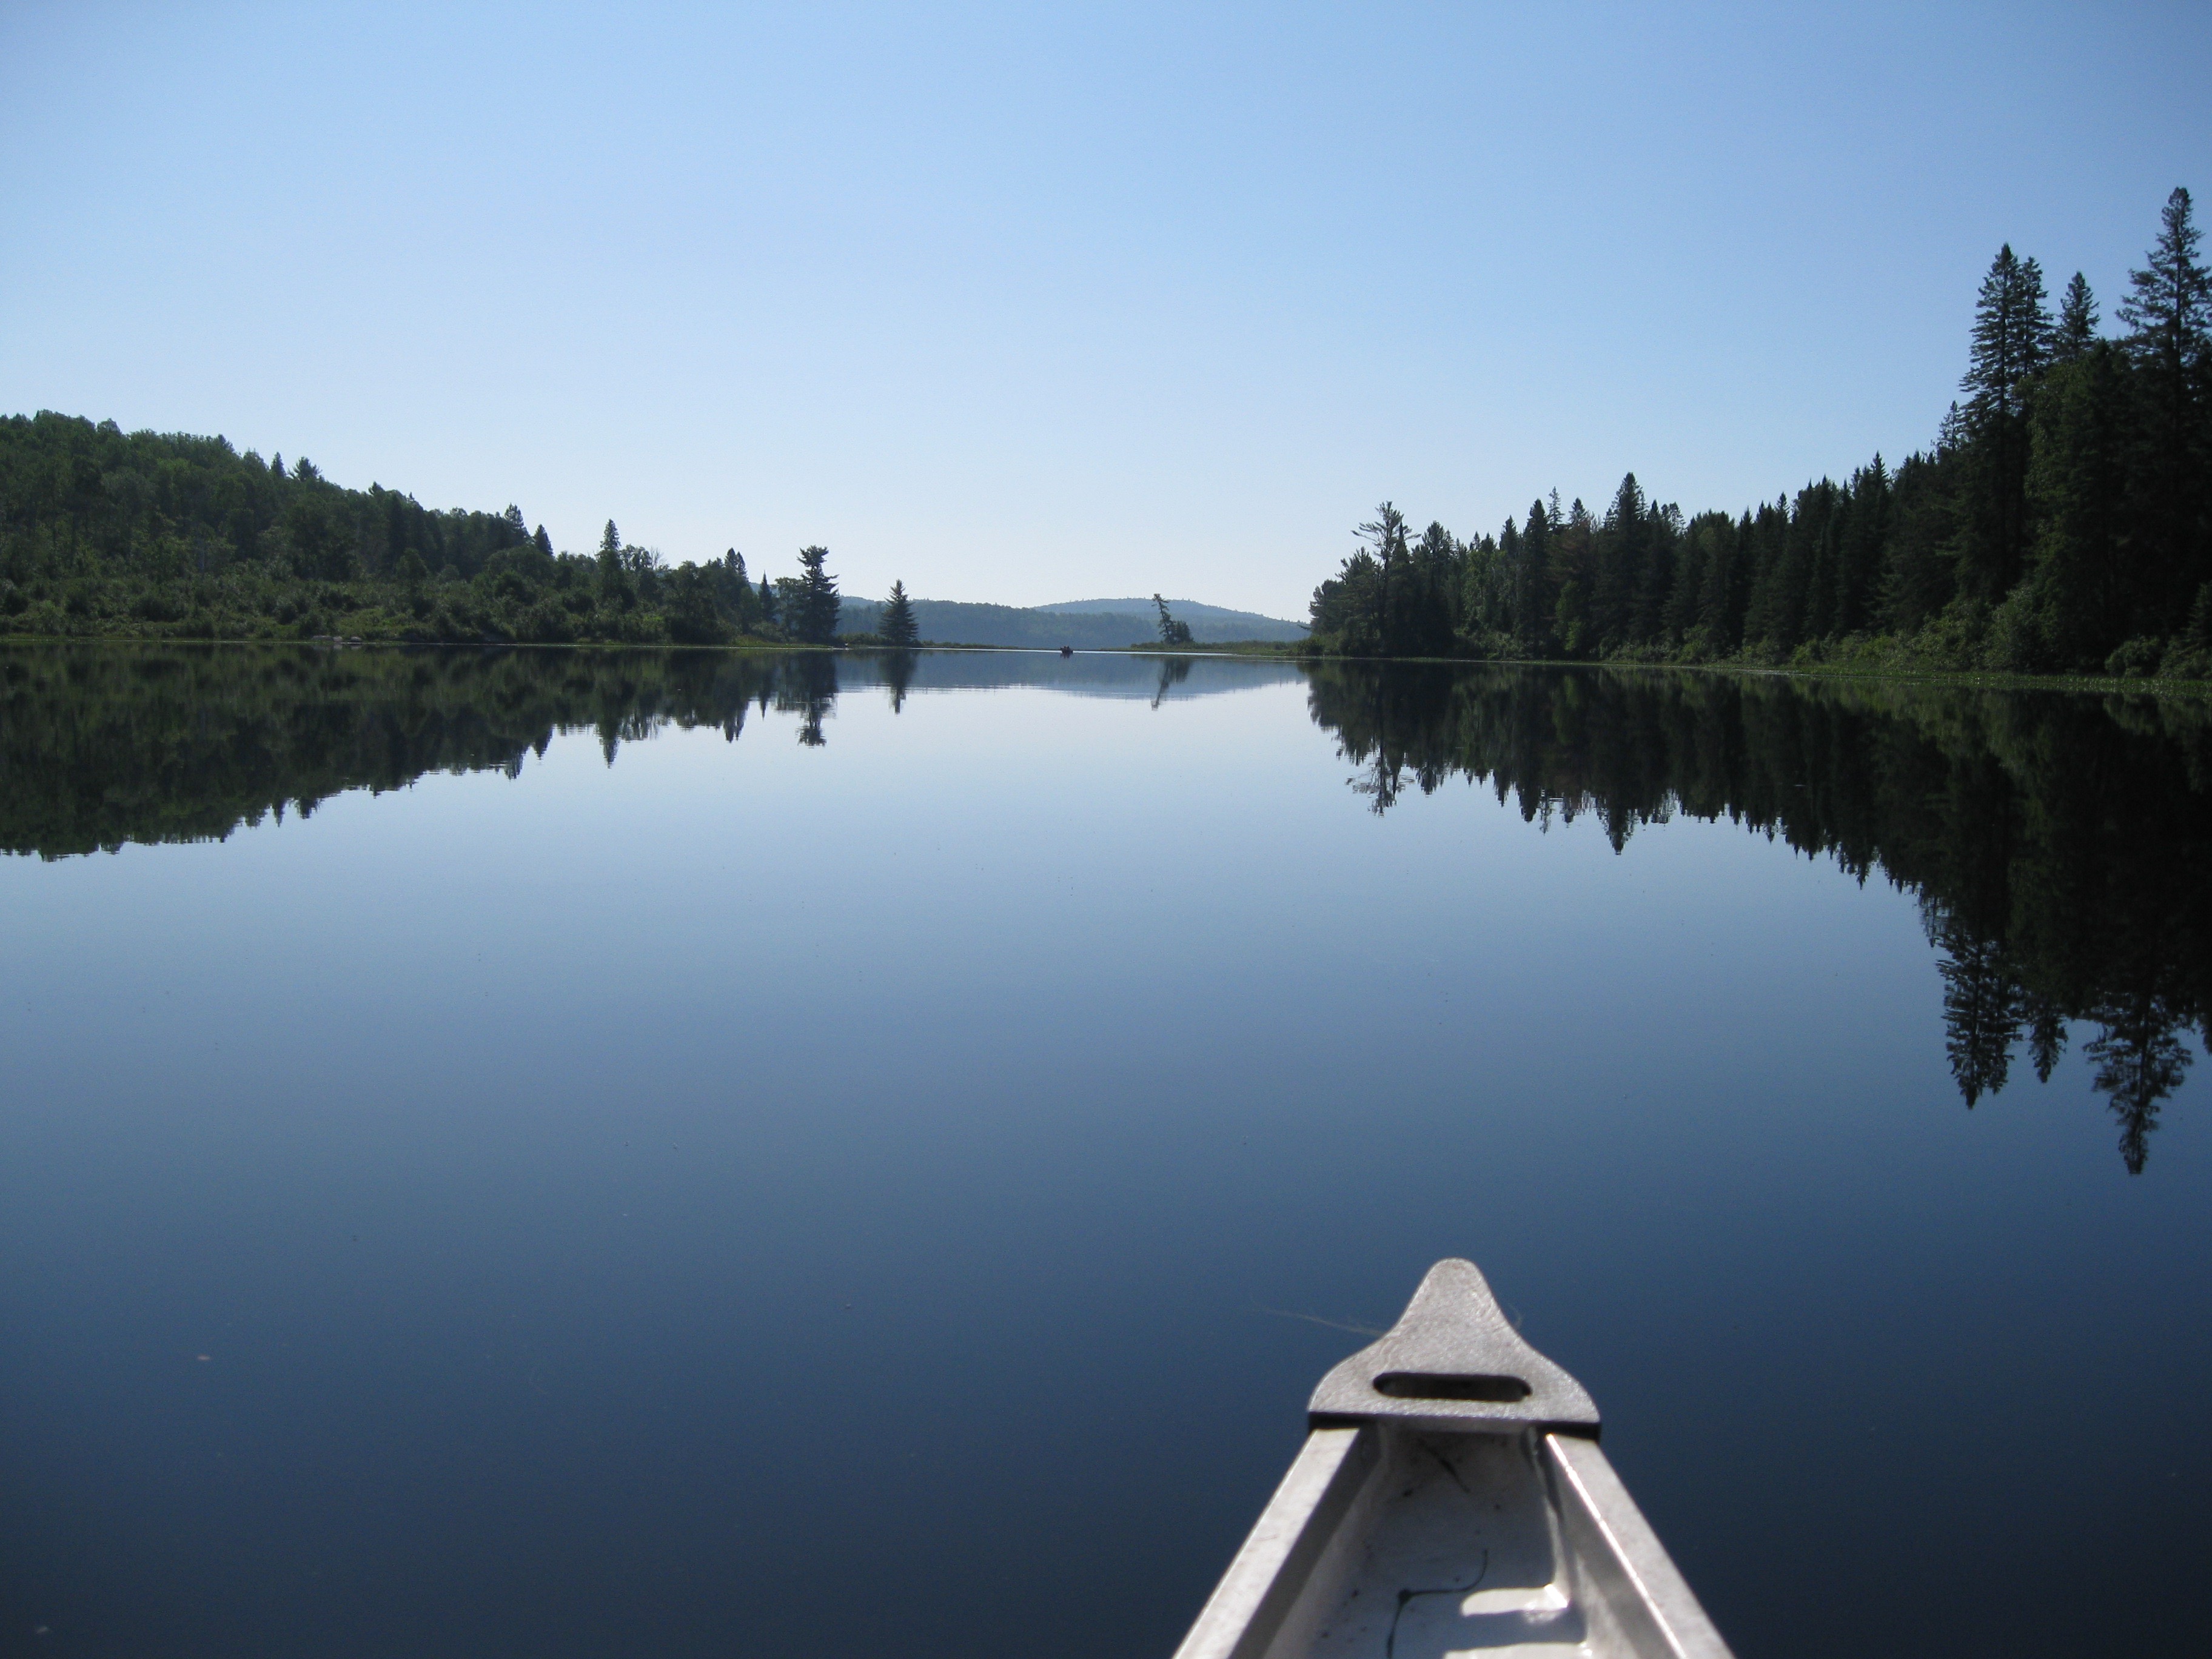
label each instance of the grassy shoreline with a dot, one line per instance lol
(1988, 679)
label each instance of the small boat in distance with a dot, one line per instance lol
(1452, 1499)
(1067, 650)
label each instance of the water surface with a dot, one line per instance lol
(569, 1153)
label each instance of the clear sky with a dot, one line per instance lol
(1045, 302)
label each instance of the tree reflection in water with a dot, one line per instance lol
(2058, 842)
(898, 674)
(1174, 671)
(806, 685)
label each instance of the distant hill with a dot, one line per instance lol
(1090, 624)
(1190, 611)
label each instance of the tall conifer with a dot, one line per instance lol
(2011, 344)
(2168, 312)
(815, 618)
(2082, 579)
(2077, 321)
(898, 626)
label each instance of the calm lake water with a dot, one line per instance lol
(564, 1154)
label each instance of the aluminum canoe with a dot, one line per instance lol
(1452, 1499)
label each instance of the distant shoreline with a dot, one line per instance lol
(1975, 679)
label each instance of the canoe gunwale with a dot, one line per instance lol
(1276, 1565)
(1308, 1544)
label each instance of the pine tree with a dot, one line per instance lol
(898, 626)
(814, 617)
(1387, 533)
(2168, 312)
(611, 542)
(1171, 631)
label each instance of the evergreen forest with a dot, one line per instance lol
(104, 533)
(2060, 523)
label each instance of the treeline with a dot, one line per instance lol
(2060, 523)
(2061, 847)
(164, 535)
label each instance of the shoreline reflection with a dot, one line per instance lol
(2056, 843)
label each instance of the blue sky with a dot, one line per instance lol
(1038, 303)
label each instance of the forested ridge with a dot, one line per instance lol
(104, 533)
(2061, 522)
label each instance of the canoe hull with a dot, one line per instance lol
(1452, 1499)
(1409, 1544)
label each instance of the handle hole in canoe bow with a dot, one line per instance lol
(1436, 1385)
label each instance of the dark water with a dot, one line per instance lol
(564, 1154)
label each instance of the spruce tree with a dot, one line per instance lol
(614, 580)
(2011, 335)
(1865, 540)
(2077, 321)
(2168, 312)
(1535, 599)
(898, 628)
(2011, 342)
(1920, 571)
(1678, 616)
(1768, 620)
(1516, 584)
(2083, 581)
(2169, 305)
(1618, 553)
